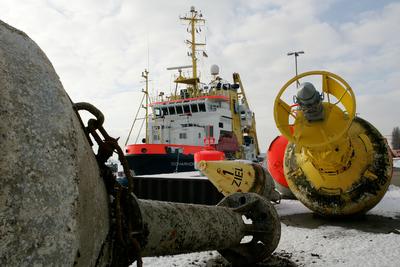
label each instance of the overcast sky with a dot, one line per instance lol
(99, 49)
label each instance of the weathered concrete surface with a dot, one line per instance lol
(53, 205)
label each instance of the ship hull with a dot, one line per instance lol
(142, 164)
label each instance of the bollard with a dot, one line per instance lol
(54, 208)
(53, 203)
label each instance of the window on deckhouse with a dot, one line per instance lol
(171, 110)
(186, 109)
(194, 108)
(164, 111)
(179, 109)
(202, 107)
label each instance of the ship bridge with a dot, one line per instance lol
(190, 120)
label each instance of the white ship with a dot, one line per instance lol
(197, 116)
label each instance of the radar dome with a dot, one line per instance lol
(214, 69)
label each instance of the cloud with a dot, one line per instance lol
(100, 48)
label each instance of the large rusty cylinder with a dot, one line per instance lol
(175, 228)
(53, 203)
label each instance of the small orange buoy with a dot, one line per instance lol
(208, 155)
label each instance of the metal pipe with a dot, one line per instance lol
(175, 228)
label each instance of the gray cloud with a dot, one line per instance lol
(99, 49)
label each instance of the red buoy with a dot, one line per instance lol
(276, 152)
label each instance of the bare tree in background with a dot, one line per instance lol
(396, 138)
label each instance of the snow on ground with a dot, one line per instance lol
(309, 240)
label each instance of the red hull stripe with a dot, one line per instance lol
(161, 149)
(191, 99)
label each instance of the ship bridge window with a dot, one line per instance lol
(202, 107)
(182, 136)
(164, 111)
(171, 110)
(179, 109)
(190, 125)
(186, 109)
(194, 108)
(214, 107)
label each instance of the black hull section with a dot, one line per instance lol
(143, 164)
(195, 191)
(190, 190)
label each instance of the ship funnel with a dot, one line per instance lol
(214, 69)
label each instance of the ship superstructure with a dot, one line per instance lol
(196, 116)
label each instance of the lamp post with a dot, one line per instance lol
(296, 54)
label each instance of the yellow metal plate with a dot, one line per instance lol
(229, 176)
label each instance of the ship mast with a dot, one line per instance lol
(145, 75)
(193, 18)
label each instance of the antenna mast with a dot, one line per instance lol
(145, 74)
(193, 18)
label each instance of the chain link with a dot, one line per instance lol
(126, 224)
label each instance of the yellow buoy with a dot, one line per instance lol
(335, 163)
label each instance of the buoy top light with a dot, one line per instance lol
(322, 123)
(309, 101)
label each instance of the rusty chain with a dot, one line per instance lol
(126, 225)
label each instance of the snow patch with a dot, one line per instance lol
(310, 240)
